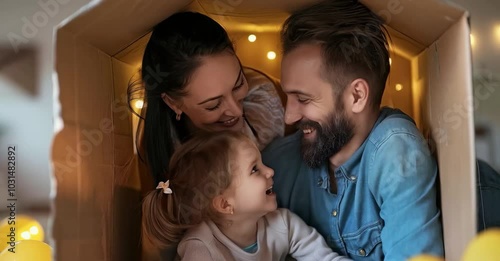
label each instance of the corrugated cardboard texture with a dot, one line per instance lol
(451, 120)
(82, 153)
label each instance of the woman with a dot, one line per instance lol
(194, 81)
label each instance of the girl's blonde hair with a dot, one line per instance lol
(199, 170)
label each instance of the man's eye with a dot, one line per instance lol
(254, 169)
(303, 100)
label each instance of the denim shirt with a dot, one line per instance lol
(385, 206)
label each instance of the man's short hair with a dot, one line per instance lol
(353, 41)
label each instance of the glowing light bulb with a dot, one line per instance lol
(138, 104)
(399, 87)
(252, 38)
(271, 55)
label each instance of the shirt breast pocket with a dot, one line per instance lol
(365, 242)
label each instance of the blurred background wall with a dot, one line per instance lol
(485, 39)
(27, 99)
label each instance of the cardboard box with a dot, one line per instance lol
(99, 48)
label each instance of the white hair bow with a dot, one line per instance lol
(165, 187)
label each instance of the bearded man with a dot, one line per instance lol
(361, 175)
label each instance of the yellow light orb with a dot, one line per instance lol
(139, 104)
(399, 87)
(252, 38)
(425, 257)
(20, 227)
(27, 250)
(271, 55)
(484, 247)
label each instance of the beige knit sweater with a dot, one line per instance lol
(279, 233)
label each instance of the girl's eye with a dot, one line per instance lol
(214, 108)
(254, 169)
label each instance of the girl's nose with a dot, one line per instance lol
(269, 172)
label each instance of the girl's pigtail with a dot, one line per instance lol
(160, 224)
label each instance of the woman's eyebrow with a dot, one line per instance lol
(210, 99)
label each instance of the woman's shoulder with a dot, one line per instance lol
(263, 108)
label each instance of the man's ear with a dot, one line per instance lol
(222, 205)
(358, 95)
(174, 105)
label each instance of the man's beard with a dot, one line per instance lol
(329, 140)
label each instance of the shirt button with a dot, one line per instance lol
(362, 252)
(320, 182)
(353, 178)
(334, 213)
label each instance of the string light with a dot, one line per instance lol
(252, 38)
(399, 87)
(271, 55)
(138, 104)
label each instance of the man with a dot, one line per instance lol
(362, 176)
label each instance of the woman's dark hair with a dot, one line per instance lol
(172, 54)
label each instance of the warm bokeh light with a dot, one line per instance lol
(28, 250)
(34, 230)
(138, 104)
(27, 228)
(399, 87)
(484, 246)
(497, 33)
(390, 61)
(472, 40)
(26, 235)
(271, 55)
(252, 38)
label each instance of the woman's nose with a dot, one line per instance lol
(234, 107)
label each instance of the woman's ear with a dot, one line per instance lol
(222, 206)
(174, 105)
(358, 95)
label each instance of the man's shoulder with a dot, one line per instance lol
(393, 122)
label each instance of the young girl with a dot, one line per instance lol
(220, 205)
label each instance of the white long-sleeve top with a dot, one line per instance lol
(279, 233)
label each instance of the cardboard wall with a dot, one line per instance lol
(449, 97)
(82, 153)
(442, 106)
